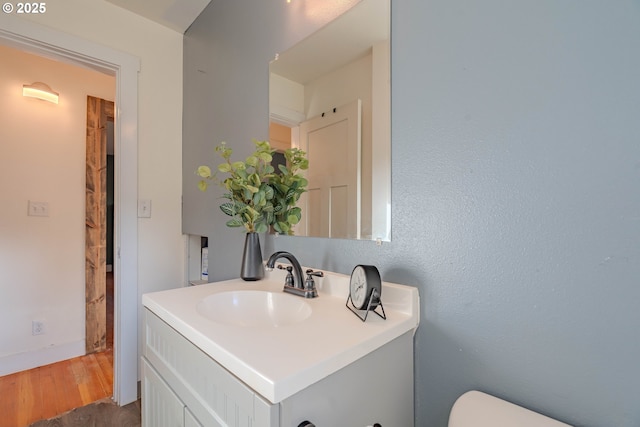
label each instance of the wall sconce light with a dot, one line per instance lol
(41, 91)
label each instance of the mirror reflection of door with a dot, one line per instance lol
(331, 207)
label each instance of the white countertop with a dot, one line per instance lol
(277, 362)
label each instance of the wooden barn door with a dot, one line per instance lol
(99, 112)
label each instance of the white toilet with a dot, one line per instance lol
(477, 409)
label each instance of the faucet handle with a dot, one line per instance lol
(289, 279)
(309, 284)
(311, 273)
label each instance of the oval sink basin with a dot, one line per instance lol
(254, 308)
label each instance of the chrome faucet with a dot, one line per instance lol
(295, 283)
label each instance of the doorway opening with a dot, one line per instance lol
(53, 378)
(40, 40)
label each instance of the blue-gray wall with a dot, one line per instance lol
(516, 189)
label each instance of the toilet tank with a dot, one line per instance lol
(477, 409)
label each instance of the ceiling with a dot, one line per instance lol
(366, 23)
(175, 14)
(343, 40)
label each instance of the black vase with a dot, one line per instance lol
(252, 267)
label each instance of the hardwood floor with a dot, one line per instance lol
(47, 391)
(51, 390)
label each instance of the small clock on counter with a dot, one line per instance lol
(365, 291)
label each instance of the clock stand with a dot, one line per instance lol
(372, 305)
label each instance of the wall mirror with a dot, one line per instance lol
(330, 95)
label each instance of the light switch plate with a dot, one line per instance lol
(144, 208)
(38, 208)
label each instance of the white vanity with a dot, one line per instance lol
(238, 353)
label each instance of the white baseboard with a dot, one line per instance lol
(45, 356)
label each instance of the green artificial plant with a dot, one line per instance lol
(288, 186)
(257, 196)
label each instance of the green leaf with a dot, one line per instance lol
(265, 157)
(223, 150)
(254, 179)
(204, 171)
(252, 161)
(238, 165)
(202, 185)
(224, 167)
(228, 208)
(284, 227)
(296, 211)
(283, 169)
(258, 197)
(261, 227)
(254, 214)
(242, 173)
(282, 189)
(262, 145)
(292, 219)
(235, 222)
(268, 191)
(240, 206)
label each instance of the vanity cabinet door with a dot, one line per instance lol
(213, 395)
(161, 407)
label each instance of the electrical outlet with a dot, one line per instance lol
(37, 327)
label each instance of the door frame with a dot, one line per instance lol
(40, 40)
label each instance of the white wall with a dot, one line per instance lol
(42, 158)
(160, 254)
(286, 100)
